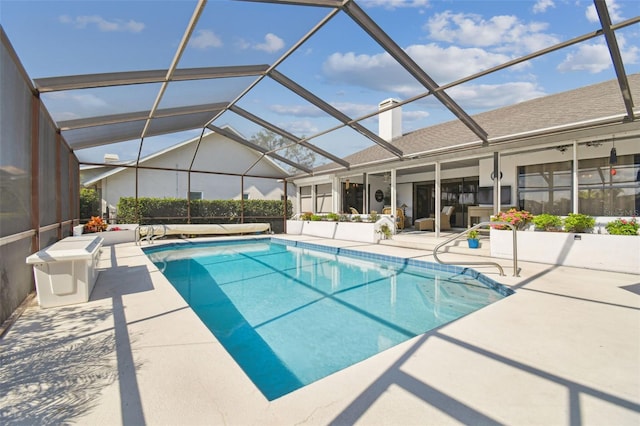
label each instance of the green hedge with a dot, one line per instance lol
(174, 210)
(89, 203)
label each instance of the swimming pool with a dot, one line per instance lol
(291, 313)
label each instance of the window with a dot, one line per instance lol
(545, 188)
(609, 190)
(195, 195)
(306, 204)
(323, 198)
(245, 196)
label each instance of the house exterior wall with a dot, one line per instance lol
(219, 154)
(509, 162)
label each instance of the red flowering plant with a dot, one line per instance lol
(518, 218)
(96, 224)
(623, 227)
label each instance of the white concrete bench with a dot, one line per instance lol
(65, 272)
(152, 232)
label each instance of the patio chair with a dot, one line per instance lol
(353, 211)
(429, 223)
(399, 216)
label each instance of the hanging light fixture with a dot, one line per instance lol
(346, 184)
(613, 156)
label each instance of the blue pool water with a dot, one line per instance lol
(291, 313)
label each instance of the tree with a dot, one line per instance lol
(293, 151)
(89, 203)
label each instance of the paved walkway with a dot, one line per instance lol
(563, 350)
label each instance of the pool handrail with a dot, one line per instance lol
(516, 270)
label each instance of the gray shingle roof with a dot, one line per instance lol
(579, 105)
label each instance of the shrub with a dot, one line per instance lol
(333, 217)
(385, 230)
(356, 218)
(373, 216)
(174, 210)
(518, 218)
(547, 222)
(623, 227)
(306, 216)
(577, 222)
(316, 218)
(89, 203)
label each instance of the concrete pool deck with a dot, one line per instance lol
(565, 349)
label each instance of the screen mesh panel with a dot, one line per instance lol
(48, 191)
(15, 148)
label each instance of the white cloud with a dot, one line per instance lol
(615, 12)
(102, 24)
(85, 100)
(503, 32)
(205, 39)
(593, 58)
(541, 6)
(89, 101)
(376, 72)
(381, 72)
(300, 127)
(297, 110)
(596, 57)
(413, 116)
(490, 96)
(394, 4)
(451, 63)
(272, 43)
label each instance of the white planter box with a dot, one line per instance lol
(294, 227)
(319, 229)
(618, 253)
(352, 231)
(364, 232)
(126, 234)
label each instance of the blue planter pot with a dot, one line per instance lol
(473, 243)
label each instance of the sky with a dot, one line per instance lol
(340, 64)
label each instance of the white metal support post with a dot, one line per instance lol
(438, 195)
(574, 189)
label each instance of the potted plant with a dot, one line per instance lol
(385, 230)
(623, 227)
(547, 222)
(96, 224)
(518, 218)
(472, 239)
(579, 223)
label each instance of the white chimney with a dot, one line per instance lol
(111, 158)
(390, 122)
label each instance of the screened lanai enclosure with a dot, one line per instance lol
(233, 100)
